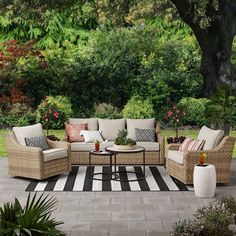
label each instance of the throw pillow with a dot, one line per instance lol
(39, 141)
(91, 136)
(145, 135)
(73, 132)
(190, 144)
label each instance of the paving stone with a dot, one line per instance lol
(126, 200)
(113, 208)
(129, 233)
(89, 233)
(160, 200)
(94, 215)
(99, 201)
(156, 233)
(168, 224)
(109, 225)
(173, 207)
(127, 216)
(77, 225)
(159, 215)
(145, 225)
(141, 207)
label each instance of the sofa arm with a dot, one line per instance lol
(58, 144)
(174, 146)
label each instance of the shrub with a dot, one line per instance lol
(9, 120)
(53, 112)
(33, 219)
(195, 111)
(212, 220)
(104, 110)
(137, 108)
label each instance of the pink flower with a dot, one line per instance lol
(169, 113)
(56, 114)
(49, 110)
(46, 119)
(177, 120)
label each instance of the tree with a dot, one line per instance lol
(214, 24)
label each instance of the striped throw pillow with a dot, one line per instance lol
(190, 144)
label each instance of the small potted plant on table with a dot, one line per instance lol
(122, 142)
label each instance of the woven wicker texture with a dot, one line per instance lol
(155, 157)
(28, 161)
(220, 156)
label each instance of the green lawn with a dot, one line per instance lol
(61, 134)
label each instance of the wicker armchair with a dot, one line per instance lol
(29, 161)
(220, 156)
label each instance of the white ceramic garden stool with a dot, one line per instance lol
(204, 180)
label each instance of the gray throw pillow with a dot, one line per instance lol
(145, 135)
(39, 141)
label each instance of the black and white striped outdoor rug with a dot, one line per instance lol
(79, 179)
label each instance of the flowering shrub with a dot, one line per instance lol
(175, 116)
(53, 112)
(212, 220)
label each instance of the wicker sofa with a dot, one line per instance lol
(154, 151)
(33, 162)
(181, 165)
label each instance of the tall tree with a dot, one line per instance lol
(214, 25)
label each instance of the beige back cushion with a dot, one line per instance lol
(140, 124)
(27, 132)
(212, 137)
(110, 128)
(92, 122)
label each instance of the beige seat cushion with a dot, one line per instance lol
(110, 128)
(92, 122)
(27, 132)
(149, 146)
(140, 124)
(212, 137)
(55, 153)
(85, 147)
(176, 156)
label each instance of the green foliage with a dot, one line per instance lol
(222, 108)
(53, 112)
(33, 219)
(137, 108)
(104, 110)
(212, 220)
(122, 139)
(195, 111)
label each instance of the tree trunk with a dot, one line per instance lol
(226, 128)
(214, 40)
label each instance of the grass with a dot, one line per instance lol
(61, 133)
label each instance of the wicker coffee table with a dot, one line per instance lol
(115, 152)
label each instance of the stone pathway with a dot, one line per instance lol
(116, 213)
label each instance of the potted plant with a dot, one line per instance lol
(122, 142)
(175, 115)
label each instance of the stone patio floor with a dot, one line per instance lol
(116, 213)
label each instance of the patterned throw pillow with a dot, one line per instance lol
(145, 135)
(39, 141)
(73, 132)
(190, 144)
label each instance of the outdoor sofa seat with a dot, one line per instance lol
(154, 151)
(33, 162)
(218, 149)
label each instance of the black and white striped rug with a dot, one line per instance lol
(79, 179)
